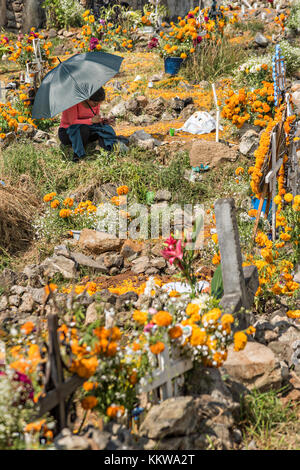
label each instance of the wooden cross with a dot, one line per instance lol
(167, 371)
(57, 389)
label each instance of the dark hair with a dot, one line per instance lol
(98, 96)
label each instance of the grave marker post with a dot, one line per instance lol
(239, 284)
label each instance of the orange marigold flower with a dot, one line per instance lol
(162, 318)
(122, 190)
(27, 327)
(48, 197)
(293, 314)
(239, 171)
(191, 309)
(64, 213)
(175, 332)
(288, 197)
(157, 348)
(50, 287)
(88, 403)
(54, 204)
(240, 340)
(140, 317)
(198, 337)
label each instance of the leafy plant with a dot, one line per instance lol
(63, 13)
(294, 18)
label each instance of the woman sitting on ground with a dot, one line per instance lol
(82, 124)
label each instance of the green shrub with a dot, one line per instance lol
(63, 13)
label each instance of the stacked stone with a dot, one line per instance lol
(14, 15)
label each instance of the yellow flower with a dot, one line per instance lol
(227, 318)
(288, 197)
(277, 199)
(48, 197)
(215, 238)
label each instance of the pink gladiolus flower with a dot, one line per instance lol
(170, 241)
(171, 253)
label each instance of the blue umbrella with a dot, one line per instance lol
(73, 81)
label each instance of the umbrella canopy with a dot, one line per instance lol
(73, 81)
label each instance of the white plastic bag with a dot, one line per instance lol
(200, 122)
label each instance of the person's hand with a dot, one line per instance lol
(110, 121)
(97, 119)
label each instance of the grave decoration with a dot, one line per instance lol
(276, 156)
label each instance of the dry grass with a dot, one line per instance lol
(17, 208)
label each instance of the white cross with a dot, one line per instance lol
(168, 369)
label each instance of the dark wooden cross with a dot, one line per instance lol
(57, 389)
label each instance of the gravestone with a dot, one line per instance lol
(240, 284)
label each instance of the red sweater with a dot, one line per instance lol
(78, 114)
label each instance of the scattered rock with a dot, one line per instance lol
(52, 33)
(261, 40)
(140, 264)
(87, 261)
(131, 248)
(40, 136)
(163, 195)
(144, 140)
(187, 112)
(68, 441)
(255, 367)
(92, 314)
(110, 260)
(173, 417)
(27, 304)
(249, 142)
(99, 242)
(156, 107)
(60, 264)
(119, 110)
(296, 100)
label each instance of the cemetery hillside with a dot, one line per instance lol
(149, 225)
